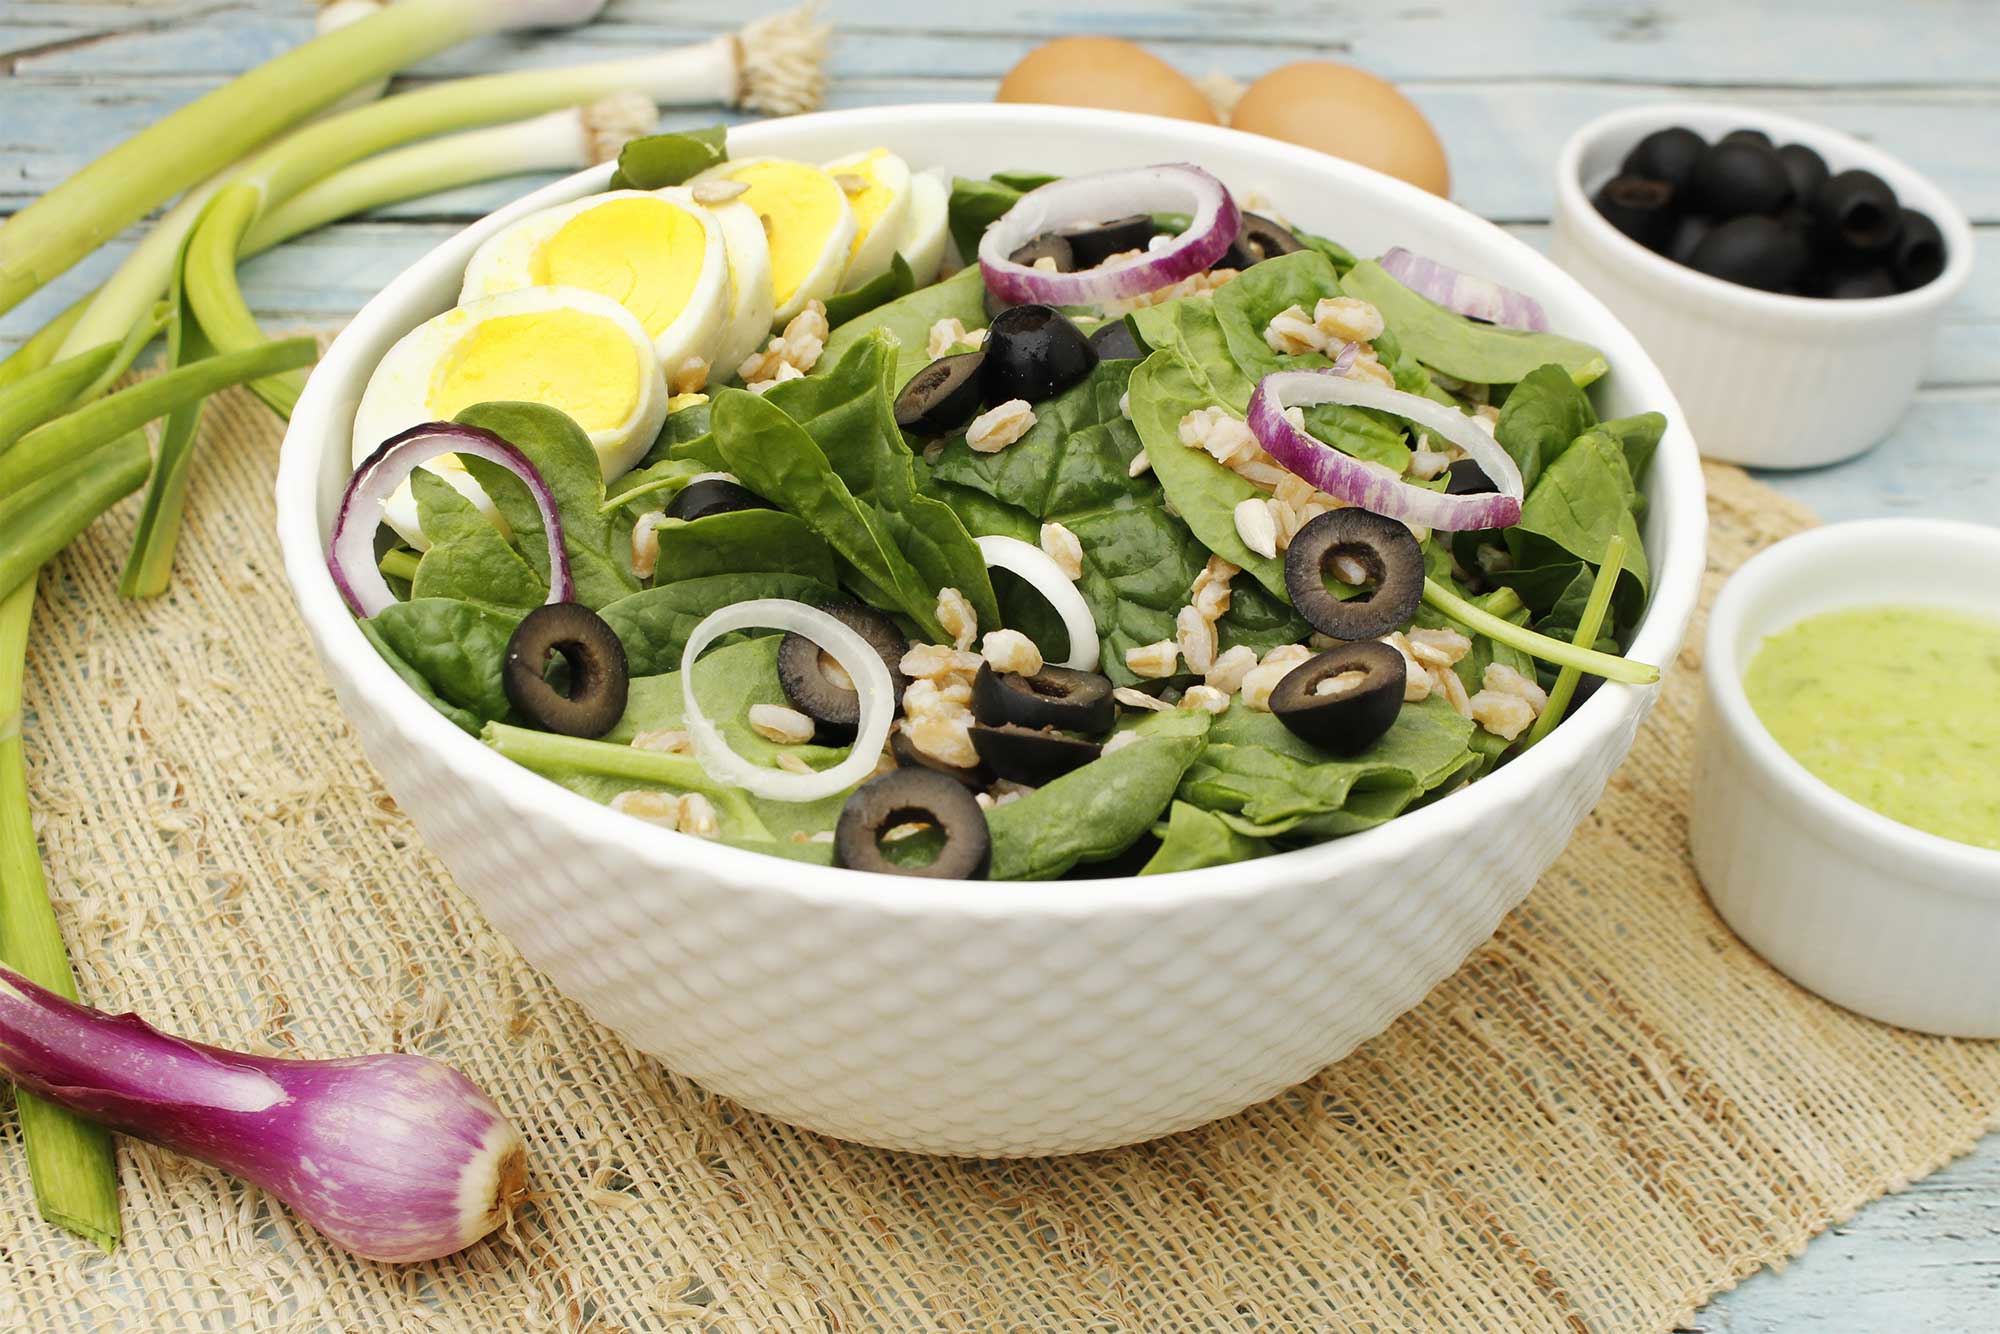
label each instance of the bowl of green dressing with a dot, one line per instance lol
(1846, 819)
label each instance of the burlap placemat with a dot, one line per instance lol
(1611, 1112)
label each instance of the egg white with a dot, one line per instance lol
(398, 395)
(506, 262)
(929, 225)
(875, 245)
(750, 302)
(829, 247)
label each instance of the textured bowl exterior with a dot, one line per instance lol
(1886, 920)
(1770, 381)
(966, 1017)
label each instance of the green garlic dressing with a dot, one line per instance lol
(1896, 707)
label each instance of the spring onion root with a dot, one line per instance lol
(70, 1160)
(1595, 607)
(1607, 665)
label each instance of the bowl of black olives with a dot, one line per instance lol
(1789, 279)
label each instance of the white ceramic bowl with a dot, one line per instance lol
(1768, 380)
(1895, 923)
(979, 1018)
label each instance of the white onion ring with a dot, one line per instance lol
(1464, 293)
(1353, 481)
(350, 556)
(1036, 566)
(1173, 187)
(863, 665)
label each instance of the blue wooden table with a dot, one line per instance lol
(1504, 85)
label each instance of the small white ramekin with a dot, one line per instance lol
(1767, 380)
(1892, 922)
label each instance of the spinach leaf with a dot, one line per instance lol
(1244, 306)
(470, 559)
(909, 319)
(1196, 838)
(1363, 433)
(1542, 414)
(1465, 349)
(1190, 330)
(654, 623)
(599, 552)
(683, 426)
(778, 460)
(1639, 436)
(896, 281)
(1094, 813)
(1259, 620)
(1337, 254)
(464, 719)
(653, 487)
(456, 647)
(1076, 457)
(977, 204)
(655, 161)
(1583, 499)
(743, 542)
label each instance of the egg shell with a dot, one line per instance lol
(1104, 72)
(875, 244)
(1347, 113)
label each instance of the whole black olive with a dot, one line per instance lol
(1642, 209)
(1033, 352)
(978, 778)
(828, 697)
(1466, 478)
(1753, 135)
(1687, 235)
(1090, 244)
(1344, 699)
(1737, 177)
(589, 647)
(1031, 756)
(1918, 256)
(943, 396)
(1751, 252)
(1258, 240)
(1383, 547)
(713, 495)
(1113, 340)
(1852, 284)
(1857, 213)
(1805, 169)
(1053, 697)
(1665, 155)
(909, 796)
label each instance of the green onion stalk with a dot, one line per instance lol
(1562, 653)
(69, 1160)
(1595, 608)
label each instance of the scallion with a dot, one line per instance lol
(1595, 607)
(1607, 665)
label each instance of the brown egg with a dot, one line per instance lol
(1104, 72)
(1349, 113)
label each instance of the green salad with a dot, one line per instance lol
(1158, 535)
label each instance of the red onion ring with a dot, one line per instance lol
(1464, 293)
(1172, 187)
(350, 556)
(1357, 483)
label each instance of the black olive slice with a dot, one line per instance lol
(1257, 240)
(596, 662)
(1049, 245)
(1053, 697)
(1364, 697)
(1642, 209)
(1752, 252)
(1383, 547)
(1666, 155)
(829, 700)
(909, 796)
(1739, 176)
(1113, 341)
(1034, 352)
(1805, 169)
(713, 495)
(977, 779)
(1857, 213)
(1918, 255)
(1030, 756)
(1091, 244)
(1466, 478)
(943, 396)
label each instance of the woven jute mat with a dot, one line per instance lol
(1612, 1111)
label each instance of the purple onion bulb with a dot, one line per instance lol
(395, 1157)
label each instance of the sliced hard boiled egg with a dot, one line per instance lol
(751, 304)
(657, 253)
(576, 351)
(808, 226)
(922, 246)
(877, 184)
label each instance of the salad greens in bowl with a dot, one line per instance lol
(991, 629)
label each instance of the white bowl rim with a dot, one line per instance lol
(1909, 185)
(1597, 723)
(1974, 870)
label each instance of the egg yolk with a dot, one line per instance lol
(644, 253)
(869, 203)
(800, 206)
(580, 364)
